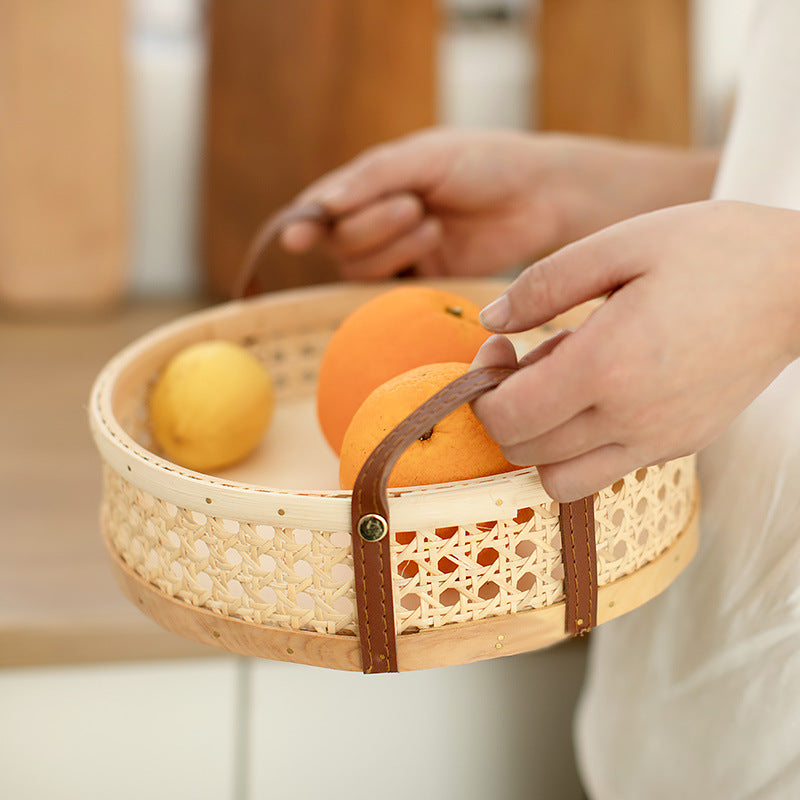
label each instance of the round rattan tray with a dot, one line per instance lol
(258, 559)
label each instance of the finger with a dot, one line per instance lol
(496, 351)
(574, 438)
(581, 271)
(357, 233)
(539, 397)
(377, 225)
(578, 477)
(543, 349)
(431, 265)
(300, 237)
(401, 253)
(413, 164)
(325, 185)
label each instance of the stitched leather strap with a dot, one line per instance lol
(578, 552)
(372, 559)
(287, 215)
(372, 542)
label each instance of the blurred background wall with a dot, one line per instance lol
(487, 62)
(221, 110)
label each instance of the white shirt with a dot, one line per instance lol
(697, 693)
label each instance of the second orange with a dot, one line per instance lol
(403, 328)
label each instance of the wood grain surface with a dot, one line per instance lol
(59, 603)
(64, 181)
(615, 67)
(296, 89)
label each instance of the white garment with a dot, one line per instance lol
(697, 693)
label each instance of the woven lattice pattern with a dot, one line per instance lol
(258, 573)
(303, 579)
(496, 567)
(292, 357)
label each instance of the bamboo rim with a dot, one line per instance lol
(411, 507)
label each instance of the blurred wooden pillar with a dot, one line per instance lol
(615, 67)
(64, 152)
(295, 89)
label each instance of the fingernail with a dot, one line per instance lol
(296, 238)
(496, 315)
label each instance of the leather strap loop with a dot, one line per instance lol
(372, 559)
(578, 552)
(314, 212)
(370, 524)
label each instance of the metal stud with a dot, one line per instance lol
(372, 527)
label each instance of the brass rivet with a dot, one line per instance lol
(281, 512)
(208, 500)
(499, 502)
(382, 657)
(612, 603)
(579, 621)
(499, 646)
(289, 650)
(500, 638)
(372, 527)
(216, 634)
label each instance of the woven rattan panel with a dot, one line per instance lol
(303, 579)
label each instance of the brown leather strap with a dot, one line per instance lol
(372, 541)
(370, 517)
(314, 212)
(578, 552)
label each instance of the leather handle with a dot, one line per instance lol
(372, 542)
(272, 227)
(369, 490)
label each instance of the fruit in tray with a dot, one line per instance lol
(403, 328)
(211, 405)
(456, 448)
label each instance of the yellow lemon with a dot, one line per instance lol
(211, 405)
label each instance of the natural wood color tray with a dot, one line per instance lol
(258, 559)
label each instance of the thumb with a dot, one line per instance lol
(581, 271)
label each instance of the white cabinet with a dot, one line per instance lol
(499, 729)
(244, 729)
(109, 732)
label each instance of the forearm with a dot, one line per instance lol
(787, 262)
(599, 182)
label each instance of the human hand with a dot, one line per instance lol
(453, 202)
(703, 313)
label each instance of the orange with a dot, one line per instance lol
(457, 448)
(400, 329)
